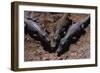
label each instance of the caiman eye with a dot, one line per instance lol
(55, 37)
(74, 38)
(82, 26)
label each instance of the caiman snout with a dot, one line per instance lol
(58, 51)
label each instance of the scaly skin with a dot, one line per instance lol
(62, 25)
(73, 31)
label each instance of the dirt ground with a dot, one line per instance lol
(33, 51)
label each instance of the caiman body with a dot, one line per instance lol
(35, 31)
(61, 27)
(74, 30)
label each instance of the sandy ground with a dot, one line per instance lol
(34, 51)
